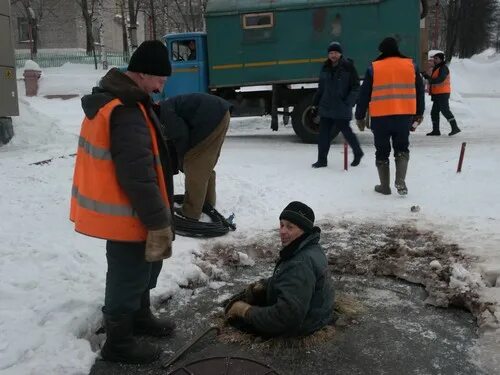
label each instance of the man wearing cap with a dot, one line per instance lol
(298, 299)
(394, 92)
(440, 89)
(122, 193)
(338, 90)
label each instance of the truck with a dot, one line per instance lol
(265, 56)
(8, 84)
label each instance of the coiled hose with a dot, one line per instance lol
(193, 228)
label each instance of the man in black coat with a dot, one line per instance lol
(440, 90)
(196, 124)
(337, 93)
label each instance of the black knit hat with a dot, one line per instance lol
(299, 214)
(335, 46)
(439, 55)
(151, 57)
(389, 46)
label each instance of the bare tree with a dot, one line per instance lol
(33, 10)
(182, 15)
(88, 7)
(134, 6)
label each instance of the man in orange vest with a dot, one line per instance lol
(440, 89)
(122, 190)
(394, 92)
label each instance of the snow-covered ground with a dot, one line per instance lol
(53, 279)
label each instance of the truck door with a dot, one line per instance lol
(188, 55)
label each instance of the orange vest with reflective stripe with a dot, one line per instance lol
(99, 206)
(440, 88)
(393, 91)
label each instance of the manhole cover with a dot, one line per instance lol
(225, 366)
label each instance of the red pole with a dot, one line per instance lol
(461, 159)
(345, 156)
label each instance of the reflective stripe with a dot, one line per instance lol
(396, 96)
(394, 86)
(100, 207)
(94, 151)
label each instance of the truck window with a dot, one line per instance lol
(258, 20)
(183, 50)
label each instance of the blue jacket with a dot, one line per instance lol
(300, 293)
(338, 90)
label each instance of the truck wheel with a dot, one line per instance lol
(302, 121)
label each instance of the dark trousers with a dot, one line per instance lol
(440, 104)
(128, 278)
(391, 128)
(328, 130)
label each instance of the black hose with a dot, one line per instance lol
(193, 228)
(425, 8)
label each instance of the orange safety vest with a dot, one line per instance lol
(393, 91)
(440, 88)
(99, 206)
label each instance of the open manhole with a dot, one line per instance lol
(225, 366)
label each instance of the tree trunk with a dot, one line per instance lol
(132, 30)
(87, 17)
(124, 28)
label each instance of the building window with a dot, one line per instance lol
(23, 30)
(258, 20)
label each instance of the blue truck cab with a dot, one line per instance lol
(189, 59)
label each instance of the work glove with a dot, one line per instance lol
(417, 120)
(239, 309)
(362, 124)
(159, 244)
(255, 293)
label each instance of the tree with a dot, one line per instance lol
(88, 7)
(134, 6)
(33, 10)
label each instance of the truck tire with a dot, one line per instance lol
(302, 120)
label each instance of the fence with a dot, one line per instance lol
(55, 58)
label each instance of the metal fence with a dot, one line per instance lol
(55, 58)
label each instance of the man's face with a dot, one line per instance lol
(289, 232)
(152, 84)
(437, 60)
(334, 56)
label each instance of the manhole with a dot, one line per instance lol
(225, 366)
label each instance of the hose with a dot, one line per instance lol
(193, 228)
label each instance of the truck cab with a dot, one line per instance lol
(189, 59)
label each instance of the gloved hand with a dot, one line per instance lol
(255, 293)
(362, 124)
(159, 244)
(417, 120)
(238, 310)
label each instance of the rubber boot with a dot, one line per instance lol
(454, 128)
(145, 323)
(402, 159)
(384, 176)
(120, 344)
(435, 130)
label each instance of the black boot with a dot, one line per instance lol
(454, 128)
(357, 160)
(402, 159)
(120, 344)
(435, 129)
(319, 164)
(145, 323)
(384, 176)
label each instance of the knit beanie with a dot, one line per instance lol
(389, 46)
(299, 214)
(151, 57)
(335, 46)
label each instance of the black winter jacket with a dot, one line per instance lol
(300, 296)
(131, 147)
(338, 90)
(190, 118)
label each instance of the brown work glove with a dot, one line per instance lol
(361, 124)
(255, 293)
(239, 309)
(159, 244)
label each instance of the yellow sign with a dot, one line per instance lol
(8, 74)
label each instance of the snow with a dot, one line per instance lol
(53, 279)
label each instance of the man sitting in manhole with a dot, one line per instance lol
(298, 299)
